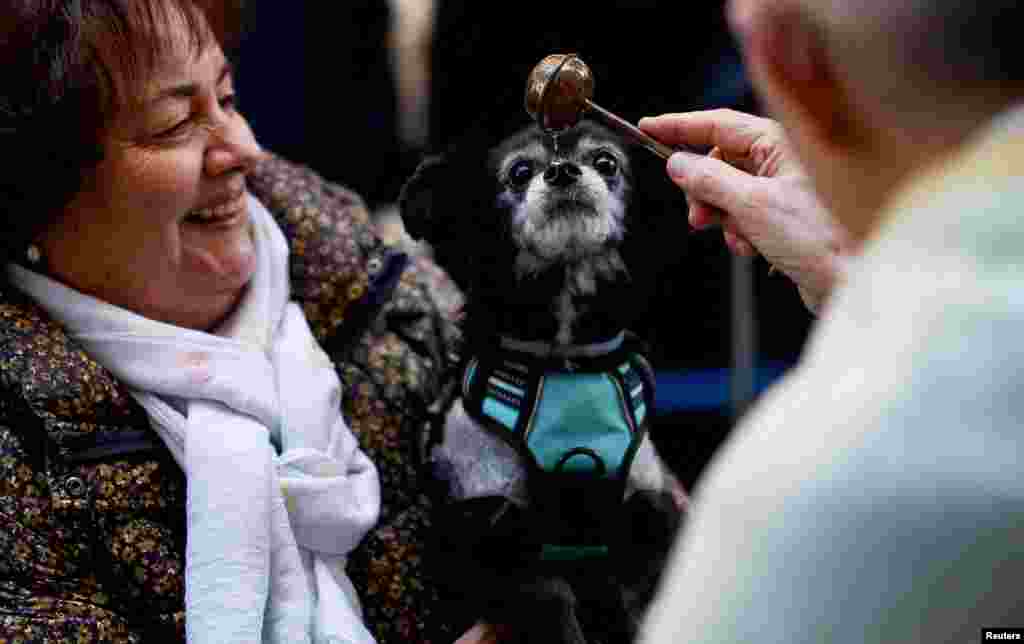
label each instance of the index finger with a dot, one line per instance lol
(480, 633)
(734, 132)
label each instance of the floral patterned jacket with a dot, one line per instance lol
(92, 516)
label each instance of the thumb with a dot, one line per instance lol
(712, 181)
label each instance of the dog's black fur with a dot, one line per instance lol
(579, 284)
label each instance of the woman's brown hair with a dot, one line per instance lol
(66, 67)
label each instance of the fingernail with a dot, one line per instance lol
(677, 164)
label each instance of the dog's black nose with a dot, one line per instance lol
(562, 173)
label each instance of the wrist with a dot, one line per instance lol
(824, 277)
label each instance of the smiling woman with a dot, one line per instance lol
(159, 225)
(179, 312)
(68, 69)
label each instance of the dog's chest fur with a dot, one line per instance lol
(574, 299)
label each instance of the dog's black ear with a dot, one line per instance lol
(418, 202)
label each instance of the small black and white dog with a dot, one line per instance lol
(558, 513)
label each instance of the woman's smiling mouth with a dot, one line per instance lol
(224, 213)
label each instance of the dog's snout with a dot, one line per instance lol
(562, 173)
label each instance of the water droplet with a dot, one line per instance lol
(554, 141)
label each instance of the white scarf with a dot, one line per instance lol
(268, 530)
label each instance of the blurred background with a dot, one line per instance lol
(361, 90)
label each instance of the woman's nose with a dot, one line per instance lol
(233, 148)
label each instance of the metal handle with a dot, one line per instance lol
(630, 130)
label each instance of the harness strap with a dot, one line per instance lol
(589, 418)
(578, 428)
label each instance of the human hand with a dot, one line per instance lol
(753, 186)
(481, 633)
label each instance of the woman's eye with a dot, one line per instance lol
(228, 103)
(606, 164)
(520, 173)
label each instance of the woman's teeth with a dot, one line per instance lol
(221, 212)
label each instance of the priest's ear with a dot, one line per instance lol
(787, 56)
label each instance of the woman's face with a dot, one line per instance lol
(161, 227)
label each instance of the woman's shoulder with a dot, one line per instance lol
(56, 402)
(46, 372)
(332, 248)
(363, 298)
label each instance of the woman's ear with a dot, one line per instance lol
(418, 201)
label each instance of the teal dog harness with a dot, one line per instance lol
(578, 422)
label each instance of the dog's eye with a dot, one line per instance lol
(606, 164)
(520, 173)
